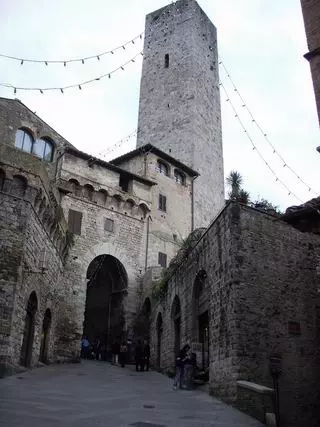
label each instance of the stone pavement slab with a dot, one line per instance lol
(99, 394)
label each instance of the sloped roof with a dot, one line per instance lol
(305, 209)
(149, 148)
(108, 165)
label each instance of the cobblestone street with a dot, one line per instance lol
(98, 394)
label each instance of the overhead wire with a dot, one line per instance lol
(261, 130)
(255, 148)
(75, 85)
(67, 61)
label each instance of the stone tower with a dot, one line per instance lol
(311, 16)
(179, 110)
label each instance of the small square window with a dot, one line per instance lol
(294, 328)
(108, 224)
(162, 259)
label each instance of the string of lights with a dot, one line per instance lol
(67, 61)
(255, 148)
(118, 144)
(261, 130)
(75, 85)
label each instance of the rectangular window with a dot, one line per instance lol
(74, 221)
(162, 203)
(162, 259)
(166, 60)
(108, 224)
(294, 328)
(125, 183)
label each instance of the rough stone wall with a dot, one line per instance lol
(311, 15)
(262, 275)
(214, 254)
(179, 108)
(14, 115)
(29, 234)
(278, 284)
(127, 243)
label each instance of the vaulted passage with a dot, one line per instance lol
(106, 287)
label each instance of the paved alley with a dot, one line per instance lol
(99, 394)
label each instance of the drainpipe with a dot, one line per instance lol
(145, 164)
(147, 243)
(192, 203)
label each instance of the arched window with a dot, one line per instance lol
(43, 148)
(179, 177)
(88, 191)
(163, 168)
(24, 140)
(75, 187)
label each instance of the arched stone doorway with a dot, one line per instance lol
(46, 324)
(176, 318)
(29, 327)
(159, 339)
(107, 285)
(200, 318)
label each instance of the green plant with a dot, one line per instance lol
(160, 288)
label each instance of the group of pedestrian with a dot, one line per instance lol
(185, 367)
(142, 356)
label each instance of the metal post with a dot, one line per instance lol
(275, 370)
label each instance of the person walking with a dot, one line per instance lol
(146, 355)
(180, 360)
(123, 354)
(138, 356)
(85, 347)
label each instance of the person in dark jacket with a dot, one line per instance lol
(146, 356)
(123, 354)
(180, 360)
(138, 356)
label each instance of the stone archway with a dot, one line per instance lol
(44, 348)
(176, 319)
(104, 318)
(159, 327)
(200, 318)
(29, 327)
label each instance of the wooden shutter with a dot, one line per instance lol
(108, 224)
(162, 259)
(74, 221)
(162, 203)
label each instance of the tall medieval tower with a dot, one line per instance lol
(179, 110)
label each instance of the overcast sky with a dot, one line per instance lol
(262, 43)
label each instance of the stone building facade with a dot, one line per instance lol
(110, 222)
(179, 109)
(83, 242)
(260, 277)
